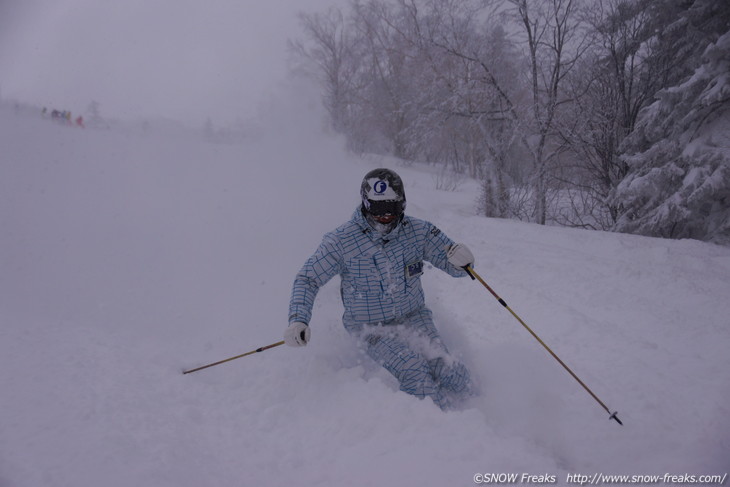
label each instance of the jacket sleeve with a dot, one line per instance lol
(437, 244)
(322, 266)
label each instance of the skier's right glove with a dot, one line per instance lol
(297, 334)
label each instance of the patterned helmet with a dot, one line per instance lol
(382, 193)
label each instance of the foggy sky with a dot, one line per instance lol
(182, 59)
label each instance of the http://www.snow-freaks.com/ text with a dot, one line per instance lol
(599, 479)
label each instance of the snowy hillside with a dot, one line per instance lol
(125, 259)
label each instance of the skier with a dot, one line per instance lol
(379, 254)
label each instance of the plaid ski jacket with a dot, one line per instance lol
(380, 275)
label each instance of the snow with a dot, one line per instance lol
(127, 258)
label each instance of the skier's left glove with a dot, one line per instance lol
(460, 256)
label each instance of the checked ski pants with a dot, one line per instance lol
(412, 351)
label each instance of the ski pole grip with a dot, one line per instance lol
(467, 268)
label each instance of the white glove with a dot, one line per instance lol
(297, 334)
(460, 256)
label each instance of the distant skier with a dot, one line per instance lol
(80, 121)
(379, 254)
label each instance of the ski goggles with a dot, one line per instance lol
(382, 208)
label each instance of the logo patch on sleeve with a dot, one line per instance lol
(415, 269)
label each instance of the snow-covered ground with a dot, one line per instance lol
(126, 258)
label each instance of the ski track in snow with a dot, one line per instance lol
(126, 258)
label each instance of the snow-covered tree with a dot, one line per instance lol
(678, 184)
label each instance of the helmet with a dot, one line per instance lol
(383, 194)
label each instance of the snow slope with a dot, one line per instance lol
(126, 258)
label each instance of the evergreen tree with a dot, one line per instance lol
(678, 184)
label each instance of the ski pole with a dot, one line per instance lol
(472, 273)
(234, 358)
